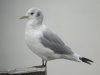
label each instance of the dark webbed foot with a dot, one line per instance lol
(43, 64)
(40, 66)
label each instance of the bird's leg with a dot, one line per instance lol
(45, 67)
(43, 62)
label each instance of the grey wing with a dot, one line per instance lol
(53, 42)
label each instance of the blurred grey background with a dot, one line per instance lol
(77, 22)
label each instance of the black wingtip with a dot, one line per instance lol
(86, 60)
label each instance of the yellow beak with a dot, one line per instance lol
(24, 17)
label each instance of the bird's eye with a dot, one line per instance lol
(32, 13)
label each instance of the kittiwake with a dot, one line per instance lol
(45, 43)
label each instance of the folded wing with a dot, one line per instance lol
(53, 42)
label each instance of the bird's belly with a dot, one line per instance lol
(36, 47)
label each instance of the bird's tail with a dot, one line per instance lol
(86, 60)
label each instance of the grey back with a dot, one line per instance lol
(53, 42)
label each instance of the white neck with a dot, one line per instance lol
(34, 24)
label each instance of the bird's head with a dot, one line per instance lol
(33, 14)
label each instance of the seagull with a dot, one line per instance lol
(45, 43)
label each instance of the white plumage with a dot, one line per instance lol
(44, 42)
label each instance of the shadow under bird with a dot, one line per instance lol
(45, 43)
